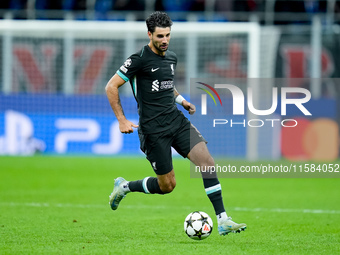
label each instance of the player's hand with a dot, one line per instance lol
(189, 107)
(126, 126)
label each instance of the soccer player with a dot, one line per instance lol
(161, 125)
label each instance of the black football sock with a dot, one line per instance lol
(213, 189)
(148, 185)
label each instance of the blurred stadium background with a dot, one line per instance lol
(57, 56)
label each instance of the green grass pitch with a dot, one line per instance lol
(59, 205)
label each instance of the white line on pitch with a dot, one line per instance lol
(241, 209)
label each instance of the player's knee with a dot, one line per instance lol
(168, 187)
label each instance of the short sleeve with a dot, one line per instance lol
(130, 67)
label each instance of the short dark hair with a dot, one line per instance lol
(158, 19)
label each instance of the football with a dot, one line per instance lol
(198, 225)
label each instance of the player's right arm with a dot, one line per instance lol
(125, 126)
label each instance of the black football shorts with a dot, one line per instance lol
(157, 147)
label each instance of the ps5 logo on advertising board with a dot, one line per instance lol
(239, 104)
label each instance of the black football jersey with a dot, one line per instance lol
(152, 80)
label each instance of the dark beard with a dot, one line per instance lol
(159, 48)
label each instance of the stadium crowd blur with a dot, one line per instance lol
(273, 11)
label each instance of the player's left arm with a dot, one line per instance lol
(186, 105)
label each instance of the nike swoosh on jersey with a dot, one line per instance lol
(154, 70)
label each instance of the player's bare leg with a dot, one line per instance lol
(167, 182)
(200, 156)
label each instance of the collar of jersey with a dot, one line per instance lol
(147, 46)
